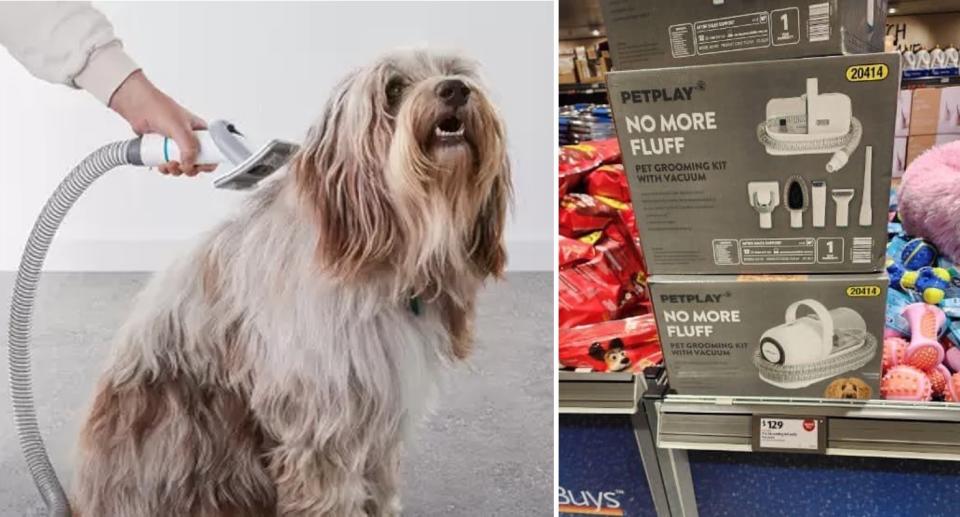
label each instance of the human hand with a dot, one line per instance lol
(148, 110)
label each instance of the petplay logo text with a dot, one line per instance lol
(585, 502)
(693, 298)
(650, 95)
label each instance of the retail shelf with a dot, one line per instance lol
(591, 93)
(920, 82)
(601, 393)
(879, 428)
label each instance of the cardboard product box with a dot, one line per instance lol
(767, 335)
(904, 100)
(899, 156)
(917, 144)
(727, 176)
(664, 33)
(567, 69)
(948, 116)
(925, 111)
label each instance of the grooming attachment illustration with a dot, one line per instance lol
(812, 123)
(866, 213)
(797, 199)
(764, 197)
(815, 347)
(818, 198)
(841, 197)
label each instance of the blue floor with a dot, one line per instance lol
(601, 471)
(797, 485)
(600, 466)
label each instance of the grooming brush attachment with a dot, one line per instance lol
(842, 197)
(894, 349)
(764, 196)
(815, 347)
(906, 383)
(925, 321)
(797, 199)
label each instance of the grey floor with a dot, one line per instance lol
(487, 451)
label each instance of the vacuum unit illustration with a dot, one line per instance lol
(813, 123)
(814, 347)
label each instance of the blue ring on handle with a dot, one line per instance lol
(166, 154)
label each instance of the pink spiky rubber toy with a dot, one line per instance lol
(906, 383)
(952, 391)
(924, 352)
(894, 348)
(939, 377)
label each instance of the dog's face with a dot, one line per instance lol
(616, 360)
(407, 171)
(614, 356)
(848, 388)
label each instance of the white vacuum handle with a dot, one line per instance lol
(826, 321)
(220, 143)
(158, 150)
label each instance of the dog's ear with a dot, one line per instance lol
(487, 249)
(832, 391)
(339, 172)
(616, 343)
(863, 389)
(597, 352)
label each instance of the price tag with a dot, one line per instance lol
(789, 433)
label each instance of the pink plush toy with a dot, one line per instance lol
(924, 352)
(929, 198)
(906, 383)
(893, 350)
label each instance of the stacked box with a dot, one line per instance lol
(664, 33)
(760, 189)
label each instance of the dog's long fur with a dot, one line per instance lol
(276, 369)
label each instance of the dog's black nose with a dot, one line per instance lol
(453, 92)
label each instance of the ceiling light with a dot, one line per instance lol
(595, 32)
(892, 10)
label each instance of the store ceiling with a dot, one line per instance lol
(925, 6)
(579, 18)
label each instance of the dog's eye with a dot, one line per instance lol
(395, 90)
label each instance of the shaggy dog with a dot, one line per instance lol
(277, 369)
(848, 388)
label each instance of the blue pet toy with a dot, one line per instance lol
(918, 253)
(930, 282)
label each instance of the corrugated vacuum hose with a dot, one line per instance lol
(21, 314)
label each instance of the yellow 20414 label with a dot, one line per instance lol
(863, 291)
(873, 72)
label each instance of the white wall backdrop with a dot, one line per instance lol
(268, 67)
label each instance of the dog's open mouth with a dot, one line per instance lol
(449, 130)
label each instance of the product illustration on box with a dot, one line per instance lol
(813, 123)
(815, 347)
